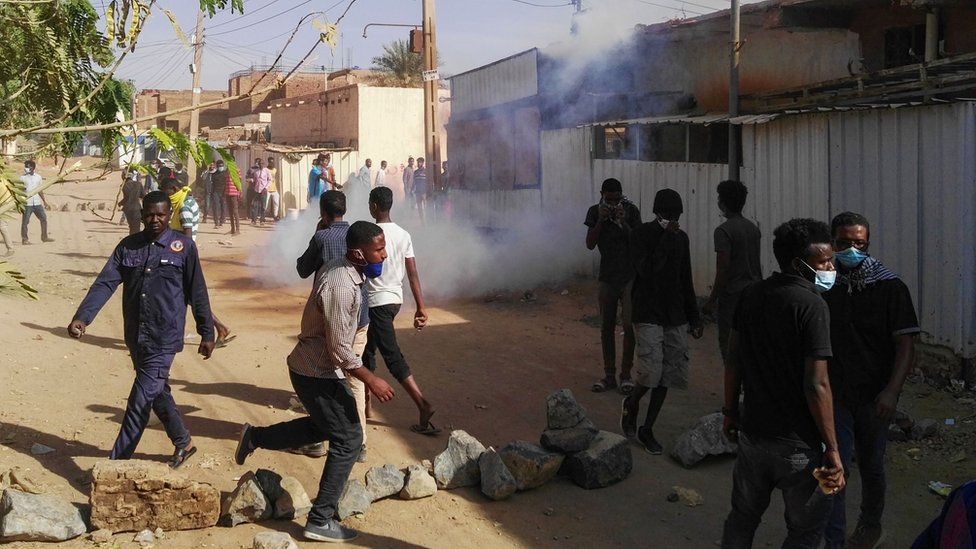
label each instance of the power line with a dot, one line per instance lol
(260, 41)
(676, 8)
(265, 20)
(246, 51)
(252, 12)
(533, 4)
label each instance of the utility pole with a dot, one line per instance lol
(191, 166)
(431, 126)
(734, 135)
(579, 5)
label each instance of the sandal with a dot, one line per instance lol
(223, 341)
(429, 429)
(626, 386)
(180, 456)
(604, 384)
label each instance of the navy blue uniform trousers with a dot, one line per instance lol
(150, 391)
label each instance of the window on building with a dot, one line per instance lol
(670, 142)
(904, 46)
(617, 142)
(663, 142)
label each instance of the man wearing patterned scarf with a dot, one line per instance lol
(873, 328)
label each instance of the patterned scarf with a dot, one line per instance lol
(868, 272)
(176, 202)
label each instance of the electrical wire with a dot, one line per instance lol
(289, 31)
(533, 4)
(252, 12)
(251, 51)
(152, 66)
(265, 20)
(676, 8)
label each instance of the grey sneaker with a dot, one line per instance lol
(362, 455)
(865, 537)
(331, 531)
(316, 450)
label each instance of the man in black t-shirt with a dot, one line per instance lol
(609, 225)
(873, 328)
(778, 351)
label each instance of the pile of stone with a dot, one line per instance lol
(413, 482)
(135, 495)
(704, 439)
(263, 495)
(904, 428)
(38, 517)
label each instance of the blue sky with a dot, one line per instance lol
(470, 33)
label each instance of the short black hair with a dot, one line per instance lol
(382, 197)
(165, 173)
(793, 239)
(156, 197)
(733, 195)
(362, 233)
(170, 183)
(848, 219)
(668, 201)
(333, 203)
(611, 185)
(30, 163)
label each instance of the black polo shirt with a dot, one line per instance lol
(863, 328)
(781, 321)
(614, 244)
(664, 293)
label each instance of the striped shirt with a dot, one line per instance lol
(190, 215)
(329, 323)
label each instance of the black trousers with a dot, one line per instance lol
(382, 336)
(331, 417)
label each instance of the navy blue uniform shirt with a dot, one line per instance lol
(159, 279)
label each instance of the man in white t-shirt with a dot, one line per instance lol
(35, 203)
(381, 175)
(385, 299)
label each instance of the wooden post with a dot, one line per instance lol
(734, 92)
(191, 166)
(432, 145)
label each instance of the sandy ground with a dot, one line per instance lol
(487, 366)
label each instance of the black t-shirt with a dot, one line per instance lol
(614, 244)
(863, 326)
(664, 293)
(781, 321)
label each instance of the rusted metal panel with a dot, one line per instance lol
(501, 82)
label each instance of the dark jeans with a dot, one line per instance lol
(39, 212)
(763, 465)
(215, 207)
(233, 207)
(258, 205)
(610, 296)
(382, 336)
(150, 391)
(331, 417)
(860, 431)
(134, 218)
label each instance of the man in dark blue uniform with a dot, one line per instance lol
(160, 273)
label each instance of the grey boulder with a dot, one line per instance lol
(274, 540)
(269, 482)
(355, 500)
(418, 484)
(570, 440)
(247, 503)
(383, 482)
(607, 461)
(531, 465)
(562, 410)
(38, 517)
(497, 481)
(293, 502)
(457, 465)
(704, 439)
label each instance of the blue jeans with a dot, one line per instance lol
(763, 465)
(859, 430)
(150, 391)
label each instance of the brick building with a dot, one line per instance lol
(150, 102)
(256, 108)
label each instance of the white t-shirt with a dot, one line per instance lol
(387, 289)
(32, 182)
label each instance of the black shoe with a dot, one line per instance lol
(646, 438)
(315, 450)
(628, 418)
(245, 446)
(330, 531)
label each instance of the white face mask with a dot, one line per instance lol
(822, 280)
(663, 222)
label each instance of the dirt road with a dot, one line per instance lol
(487, 366)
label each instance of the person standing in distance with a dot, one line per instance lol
(609, 225)
(159, 270)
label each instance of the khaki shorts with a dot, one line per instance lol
(662, 356)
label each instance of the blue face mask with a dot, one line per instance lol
(373, 270)
(822, 280)
(850, 258)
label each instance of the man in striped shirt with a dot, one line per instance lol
(187, 218)
(319, 366)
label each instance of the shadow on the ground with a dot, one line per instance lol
(197, 425)
(262, 396)
(62, 332)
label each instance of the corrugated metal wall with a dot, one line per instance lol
(912, 172)
(293, 175)
(507, 80)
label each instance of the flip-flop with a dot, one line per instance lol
(222, 342)
(626, 386)
(428, 430)
(603, 385)
(180, 456)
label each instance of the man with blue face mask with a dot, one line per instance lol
(778, 351)
(873, 330)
